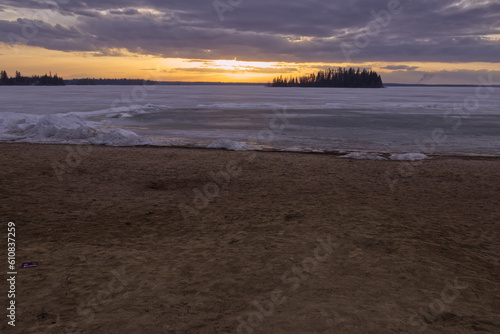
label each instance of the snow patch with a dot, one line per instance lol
(231, 145)
(363, 156)
(242, 106)
(119, 115)
(408, 156)
(302, 149)
(118, 112)
(64, 130)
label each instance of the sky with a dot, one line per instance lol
(406, 41)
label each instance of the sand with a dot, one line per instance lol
(142, 240)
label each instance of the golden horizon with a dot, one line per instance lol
(123, 64)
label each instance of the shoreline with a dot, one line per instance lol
(336, 153)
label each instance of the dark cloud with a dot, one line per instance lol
(472, 77)
(130, 11)
(258, 30)
(111, 53)
(400, 67)
(41, 34)
(85, 12)
(477, 77)
(203, 70)
(241, 69)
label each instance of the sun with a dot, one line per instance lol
(240, 65)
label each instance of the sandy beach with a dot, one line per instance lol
(172, 240)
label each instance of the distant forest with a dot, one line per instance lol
(19, 80)
(342, 77)
(139, 82)
(123, 82)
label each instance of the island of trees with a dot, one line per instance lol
(341, 77)
(35, 80)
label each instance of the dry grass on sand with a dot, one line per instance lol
(294, 243)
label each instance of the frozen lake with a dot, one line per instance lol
(430, 120)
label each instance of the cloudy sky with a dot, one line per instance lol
(407, 41)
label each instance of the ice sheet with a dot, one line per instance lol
(395, 120)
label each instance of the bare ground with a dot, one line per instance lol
(286, 243)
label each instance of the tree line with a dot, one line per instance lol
(341, 77)
(100, 81)
(139, 82)
(35, 80)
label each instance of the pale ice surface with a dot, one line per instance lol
(395, 120)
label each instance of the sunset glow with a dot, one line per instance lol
(175, 42)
